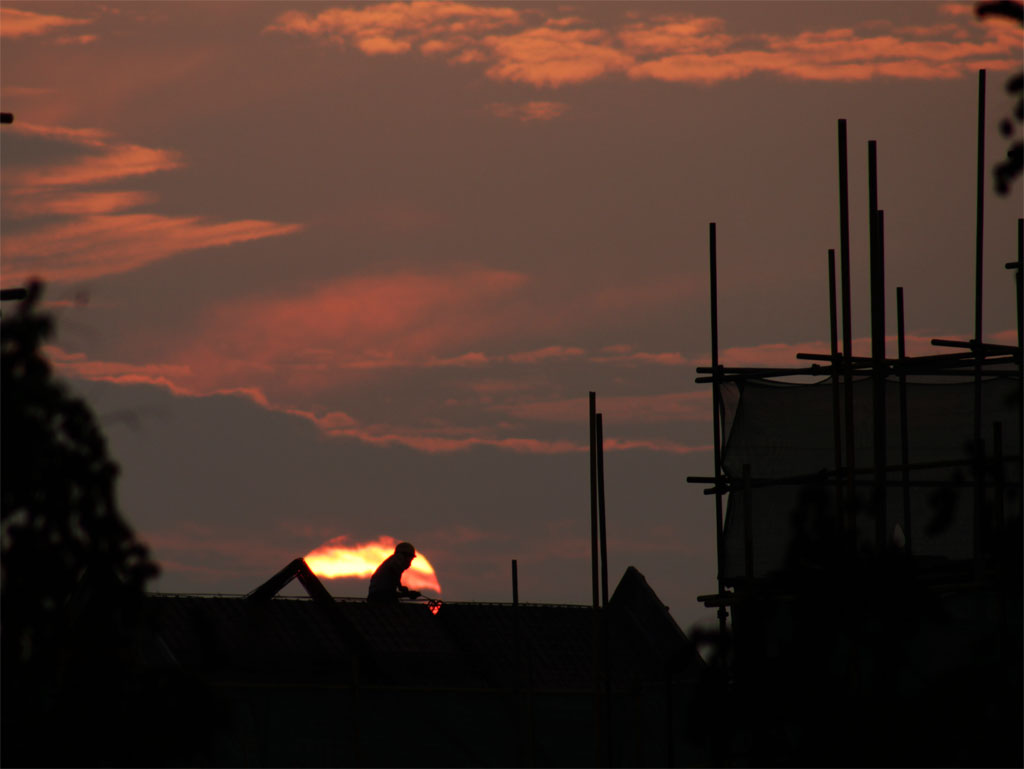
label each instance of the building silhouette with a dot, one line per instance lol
(321, 681)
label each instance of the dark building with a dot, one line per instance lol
(339, 682)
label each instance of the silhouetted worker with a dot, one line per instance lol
(386, 583)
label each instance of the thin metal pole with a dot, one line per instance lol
(979, 237)
(598, 708)
(1020, 341)
(603, 534)
(904, 425)
(748, 529)
(515, 583)
(1020, 306)
(999, 481)
(593, 498)
(979, 241)
(716, 405)
(837, 417)
(880, 368)
(844, 271)
(877, 279)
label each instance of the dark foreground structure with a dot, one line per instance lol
(868, 514)
(340, 682)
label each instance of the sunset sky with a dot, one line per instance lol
(350, 270)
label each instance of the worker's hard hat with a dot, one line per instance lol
(404, 548)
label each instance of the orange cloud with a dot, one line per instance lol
(77, 203)
(15, 23)
(531, 110)
(622, 355)
(90, 137)
(841, 46)
(95, 245)
(172, 377)
(1008, 337)
(77, 364)
(466, 359)
(379, 321)
(957, 9)
(616, 444)
(676, 36)
(436, 437)
(75, 39)
(438, 444)
(545, 353)
(352, 327)
(94, 240)
(116, 163)
(839, 54)
(546, 56)
(556, 52)
(703, 67)
(390, 28)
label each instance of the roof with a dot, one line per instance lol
(463, 645)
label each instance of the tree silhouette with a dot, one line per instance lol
(1009, 169)
(73, 573)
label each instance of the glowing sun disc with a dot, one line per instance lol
(337, 559)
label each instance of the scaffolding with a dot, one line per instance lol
(878, 452)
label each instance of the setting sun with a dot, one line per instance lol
(339, 559)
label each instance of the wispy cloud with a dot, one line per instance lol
(624, 355)
(116, 162)
(75, 39)
(545, 353)
(553, 57)
(95, 245)
(176, 378)
(563, 50)
(42, 202)
(371, 321)
(519, 425)
(94, 239)
(390, 28)
(17, 23)
(528, 111)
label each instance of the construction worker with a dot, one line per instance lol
(386, 583)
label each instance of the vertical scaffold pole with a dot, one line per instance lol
(979, 250)
(1020, 337)
(1020, 306)
(979, 234)
(602, 531)
(844, 278)
(878, 365)
(908, 525)
(598, 708)
(748, 529)
(602, 536)
(837, 414)
(716, 405)
(593, 499)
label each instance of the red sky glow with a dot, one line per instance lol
(352, 266)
